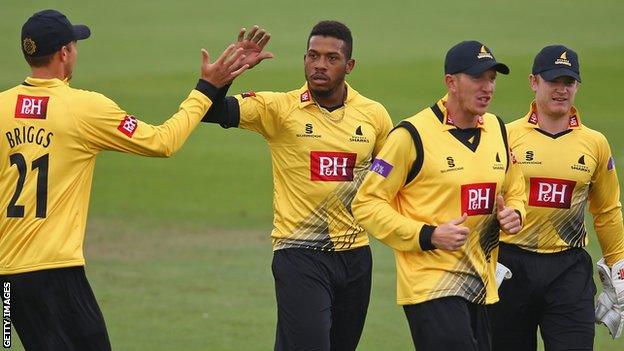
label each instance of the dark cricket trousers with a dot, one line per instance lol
(553, 291)
(322, 298)
(449, 324)
(55, 310)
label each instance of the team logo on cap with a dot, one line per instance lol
(563, 59)
(484, 53)
(29, 46)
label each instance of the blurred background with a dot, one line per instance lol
(178, 251)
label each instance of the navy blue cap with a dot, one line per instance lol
(556, 61)
(473, 58)
(47, 31)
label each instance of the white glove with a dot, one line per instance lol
(502, 273)
(610, 303)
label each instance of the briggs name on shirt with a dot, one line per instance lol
(28, 134)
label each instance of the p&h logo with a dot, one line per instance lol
(563, 59)
(483, 53)
(551, 192)
(478, 198)
(330, 166)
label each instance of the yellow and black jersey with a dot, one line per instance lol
(319, 159)
(562, 173)
(51, 134)
(427, 174)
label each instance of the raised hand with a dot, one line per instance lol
(253, 45)
(227, 67)
(508, 218)
(450, 235)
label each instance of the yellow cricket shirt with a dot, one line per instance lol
(562, 173)
(319, 159)
(454, 177)
(50, 135)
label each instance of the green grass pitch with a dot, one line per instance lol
(177, 250)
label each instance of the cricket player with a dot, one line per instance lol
(322, 138)
(566, 165)
(437, 193)
(50, 136)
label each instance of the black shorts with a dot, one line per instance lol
(322, 298)
(553, 291)
(449, 324)
(55, 309)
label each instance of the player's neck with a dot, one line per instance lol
(336, 98)
(49, 72)
(552, 124)
(461, 117)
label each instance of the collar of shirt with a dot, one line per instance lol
(45, 83)
(446, 121)
(531, 119)
(305, 97)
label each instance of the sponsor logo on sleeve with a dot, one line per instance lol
(128, 125)
(551, 192)
(381, 167)
(611, 164)
(329, 166)
(248, 94)
(31, 107)
(478, 198)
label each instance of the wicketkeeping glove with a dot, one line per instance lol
(610, 304)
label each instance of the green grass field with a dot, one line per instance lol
(178, 250)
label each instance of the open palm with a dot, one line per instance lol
(253, 45)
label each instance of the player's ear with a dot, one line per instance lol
(533, 81)
(350, 65)
(450, 80)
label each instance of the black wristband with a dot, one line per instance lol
(424, 238)
(207, 89)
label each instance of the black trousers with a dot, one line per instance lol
(55, 310)
(449, 324)
(552, 291)
(322, 298)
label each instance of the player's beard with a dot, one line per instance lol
(326, 93)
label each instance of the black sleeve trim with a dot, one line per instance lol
(207, 89)
(224, 110)
(425, 237)
(504, 132)
(420, 153)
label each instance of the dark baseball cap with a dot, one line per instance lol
(47, 31)
(556, 61)
(473, 58)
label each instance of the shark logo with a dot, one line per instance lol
(563, 59)
(484, 53)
